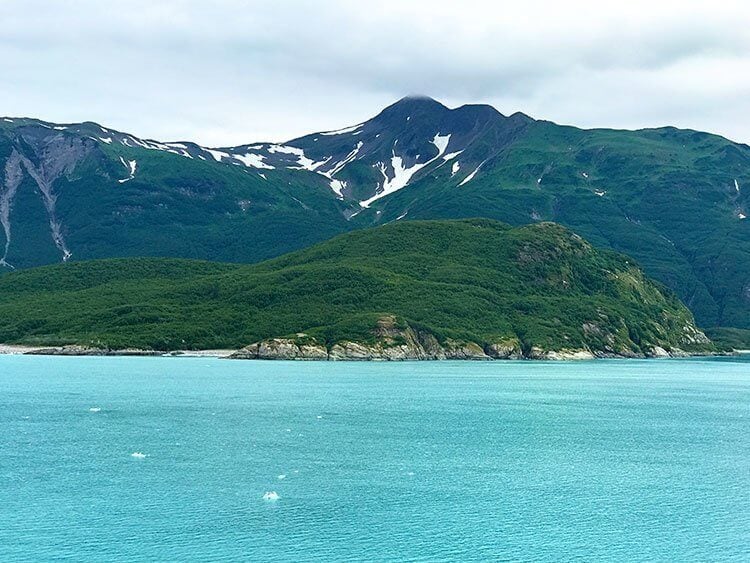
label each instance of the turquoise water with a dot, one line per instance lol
(607, 460)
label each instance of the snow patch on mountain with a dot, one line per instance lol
(338, 187)
(218, 155)
(344, 130)
(130, 165)
(455, 168)
(253, 160)
(401, 173)
(351, 156)
(470, 177)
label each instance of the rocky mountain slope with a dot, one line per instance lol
(472, 289)
(672, 199)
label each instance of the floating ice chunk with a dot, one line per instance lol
(138, 455)
(319, 417)
(271, 496)
(95, 409)
(281, 477)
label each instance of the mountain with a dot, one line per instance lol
(414, 289)
(675, 200)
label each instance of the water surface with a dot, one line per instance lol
(605, 460)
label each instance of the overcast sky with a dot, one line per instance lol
(225, 72)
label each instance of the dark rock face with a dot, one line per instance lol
(45, 156)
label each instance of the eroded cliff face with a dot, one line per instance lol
(11, 181)
(394, 342)
(45, 156)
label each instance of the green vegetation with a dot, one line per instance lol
(666, 197)
(473, 280)
(728, 338)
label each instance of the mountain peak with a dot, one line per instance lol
(413, 105)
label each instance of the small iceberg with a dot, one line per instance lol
(95, 409)
(138, 455)
(271, 496)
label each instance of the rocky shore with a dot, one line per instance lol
(77, 350)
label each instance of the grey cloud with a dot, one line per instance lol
(234, 71)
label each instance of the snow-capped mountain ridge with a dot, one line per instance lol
(360, 163)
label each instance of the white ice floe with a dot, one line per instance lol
(138, 455)
(271, 496)
(253, 160)
(470, 177)
(401, 173)
(95, 409)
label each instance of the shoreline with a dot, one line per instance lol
(25, 350)
(80, 351)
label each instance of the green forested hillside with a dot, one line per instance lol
(470, 281)
(675, 200)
